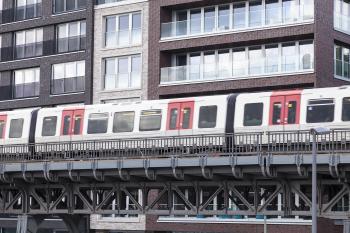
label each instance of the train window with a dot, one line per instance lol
(66, 124)
(173, 118)
(16, 128)
(292, 112)
(276, 113)
(2, 128)
(77, 124)
(49, 126)
(346, 109)
(123, 122)
(207, 116)
(253, 114)
(150, 120)
(319, 111)
(97, 123)
(186, 118)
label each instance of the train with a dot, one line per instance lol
(291, 110)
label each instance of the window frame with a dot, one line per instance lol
(262, 105)
(152, 112)
(103, 116)
(43, 127)
(10, 128)
(114, 128)
(320, 104)
(201, 108)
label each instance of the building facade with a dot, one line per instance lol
(46, 52)
(120, 51)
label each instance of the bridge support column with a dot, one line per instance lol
(26, 225)
(76, 223)
(346, 226)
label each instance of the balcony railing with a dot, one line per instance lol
(123, 81)
(278, 16)
(237, 69)
(70, 44)
(342, 22)
(123, 38)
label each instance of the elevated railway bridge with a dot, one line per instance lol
(264, 174)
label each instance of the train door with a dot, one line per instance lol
(3, 123)
(284, 111)
(180, 118)
(72, 124)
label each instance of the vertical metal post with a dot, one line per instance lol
(314, 183)
(265, 224)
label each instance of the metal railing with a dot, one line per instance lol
(239, 144)
(238, 69)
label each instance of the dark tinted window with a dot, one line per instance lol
(253, 114)
(49, 126)
(66, 124)
(123, 122)
(174, 112)
(97, 123)
(186, 117)
(78, 120)
(16, 128)
(320, 111)
(150, 120)
(207, 116)
(292, 112)
(2, 128)
(276, 113)
(346, 109)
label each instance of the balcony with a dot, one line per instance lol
(130, 80)
(123, 38)
(71, 44)
(242, 69)
(239, 21)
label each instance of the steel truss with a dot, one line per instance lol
(220, 198)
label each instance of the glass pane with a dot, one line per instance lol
(289, 11)
(136, 21)
(97, 123)
(195, 61)
(77, 124)
(209, 19)
(123, 122)
(49, 126)
(16, 128)
(255, 61)
(240, 63)
(209, 65)
(66, 124)
(224, 64)
(272, 58)
(239, 15)
(195, 21)
(273, 12)
(224, 17)
(253, 114)
(255, 13)
(2, 128)
(150, 120)
(345, 111)
(288, 57)
(319, 111)
(306, 51)
(292, 112)
(186, 118)
(207, 116)
(276, 113)
(174, 112)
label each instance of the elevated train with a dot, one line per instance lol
(221, 114)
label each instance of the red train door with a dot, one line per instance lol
(72, 122)
(3, 123)
(285, 109)
(180, 116)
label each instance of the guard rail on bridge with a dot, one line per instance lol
(265, 173)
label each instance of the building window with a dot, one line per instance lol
(27, 9)
(68, 77)
(26, 83)
(99, 2)
(68, 5)
(71, 36)
(341, 62)
(237, 16)
(262, 60)
(342, 15)
(123, 72)
(123, 30)
(29, 43)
